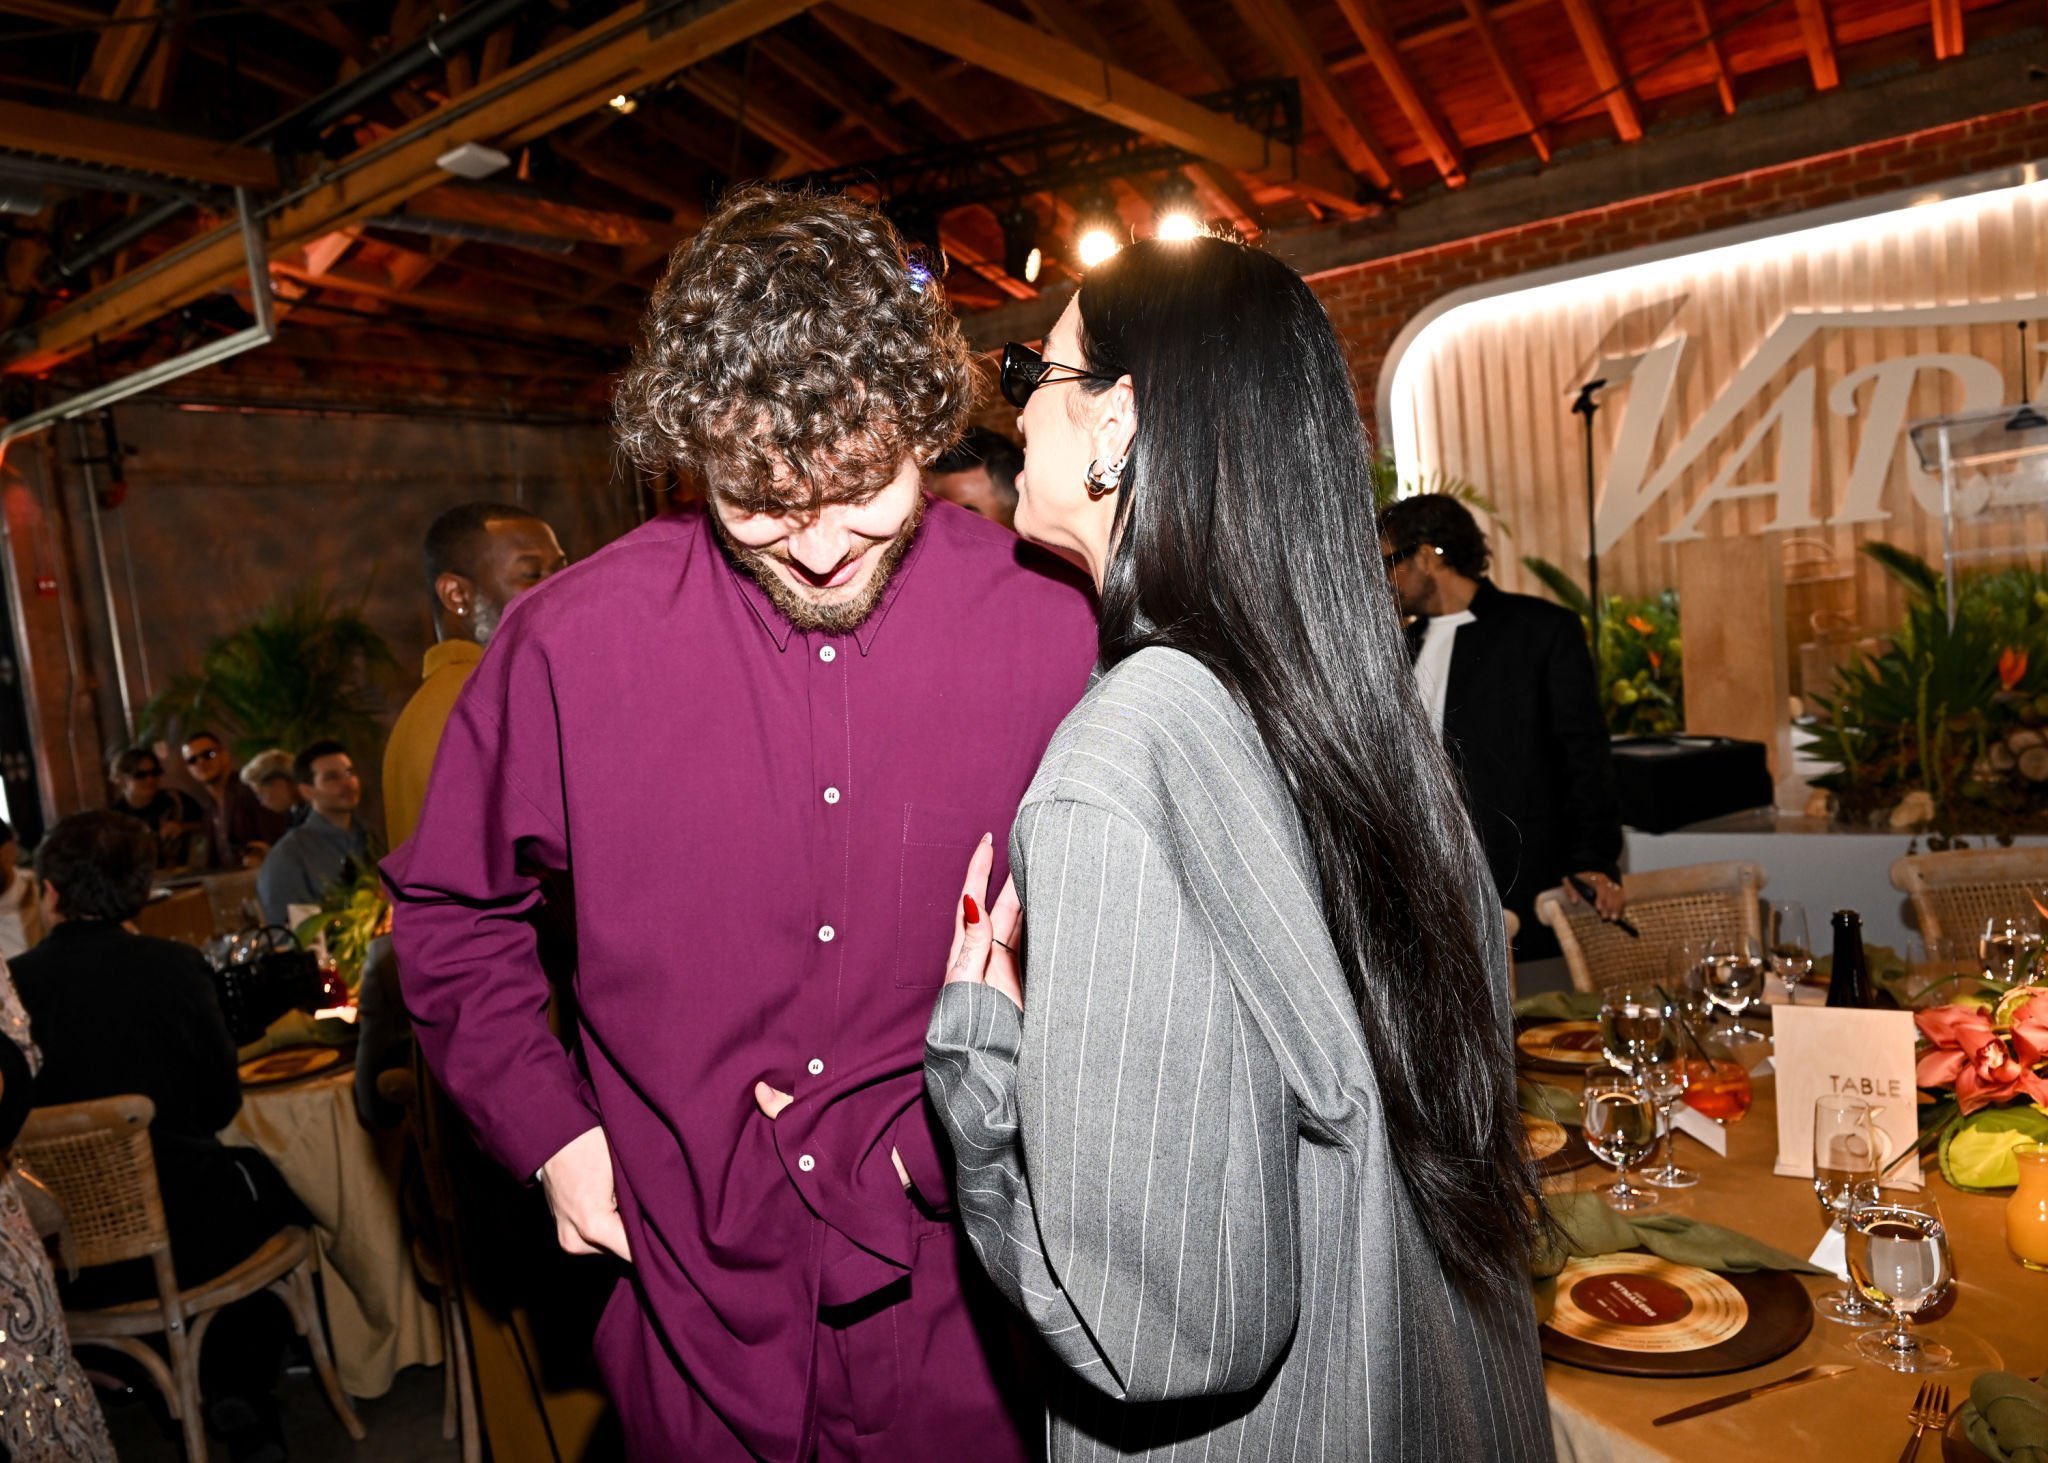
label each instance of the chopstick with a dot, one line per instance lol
(1585, 892)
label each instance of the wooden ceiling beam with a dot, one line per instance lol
(1605, 64)
(607, 166)
(836, 90)
(1819, 39)
(80, 137)
(1949, 41)
(525, 213)
(118, 53)
(1011, 48)
(322, 24)
(460, 307)
(1511, 79)
(1724, 77)
(1369, 23)
(1224, 196)
(1166, 14)
(560, 84)
(1324, 96)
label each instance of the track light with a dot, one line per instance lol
(1022, 258)
(1175, 213)
(1098, 231)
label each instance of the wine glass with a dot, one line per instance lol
(1845, 1169)
(1899, 1257)
(1636, 1026)
(2007, 946)
(1791, 949)
(1734, 973)
(1620, 1126)
(1666, 1081)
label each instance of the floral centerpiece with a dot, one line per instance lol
(1985, 1063)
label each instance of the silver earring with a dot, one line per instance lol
(1101, 481)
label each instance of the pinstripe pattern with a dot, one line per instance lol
(1174, 1162)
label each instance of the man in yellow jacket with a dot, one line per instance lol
(536, 1405)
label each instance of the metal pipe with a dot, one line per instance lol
(24, 659)
(212, 353)
(436, 45)
(99, 553)
(51, 526)
(111, 241)
(135, 609)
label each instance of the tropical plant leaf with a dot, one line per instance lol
(1563, 588)
(1907, 567)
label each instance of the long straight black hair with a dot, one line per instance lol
(1246, 538)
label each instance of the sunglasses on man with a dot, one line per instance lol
(193, 759)
(1389, 562)
(1025, 370)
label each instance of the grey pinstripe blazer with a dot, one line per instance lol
(1175, 1161)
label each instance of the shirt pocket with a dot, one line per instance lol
(937, 843)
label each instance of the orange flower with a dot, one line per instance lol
(1640, 625)
(2012, 667)
(1656, 661)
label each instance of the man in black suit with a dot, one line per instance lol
(116, 1012)
(1510, 685)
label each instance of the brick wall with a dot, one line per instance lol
(1370, 303)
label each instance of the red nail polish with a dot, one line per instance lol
(968, 911)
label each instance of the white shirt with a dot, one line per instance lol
(1433, 665)
(14, 905)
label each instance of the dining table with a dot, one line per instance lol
(378, 1319)
(1998, 1321)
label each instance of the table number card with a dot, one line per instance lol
(1868, 1054)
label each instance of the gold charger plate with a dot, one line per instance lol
(1636, 1315)
(288, 1065)
(1553, 1147)
(1561, 1046)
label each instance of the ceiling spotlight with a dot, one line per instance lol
(624, 105)
(472, 160)
(1022, 258)
(1175, 213)
(1098, 231)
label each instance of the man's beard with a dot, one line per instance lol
(837, 618)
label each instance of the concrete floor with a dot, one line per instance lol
(404, 1425)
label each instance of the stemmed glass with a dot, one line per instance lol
(1636, 1027)
(1845, 1169)
(1666, 1082)
(1620, 1126)
(1899, 1257)
(2007, 945)
(1791, 949)
(1734, 973)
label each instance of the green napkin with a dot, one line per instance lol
(1584, 1226)
(297, 1028)
(1559, 1104)
(2006, 1418)
(1560, 1006)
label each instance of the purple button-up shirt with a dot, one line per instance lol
(766, 831)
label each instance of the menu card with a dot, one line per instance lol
(1868, 1054)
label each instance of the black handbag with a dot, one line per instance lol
(271, 976)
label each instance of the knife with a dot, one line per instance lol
(1797, 1379)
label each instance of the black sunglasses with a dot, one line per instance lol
(195, 758)
(1399, 556)
(140, 773)
(1025, 370)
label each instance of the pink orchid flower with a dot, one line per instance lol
(2030, 1032)
(1969, 1055)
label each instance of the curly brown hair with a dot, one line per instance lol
(794, 354)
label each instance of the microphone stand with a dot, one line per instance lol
(1585, 405)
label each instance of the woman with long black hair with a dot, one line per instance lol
(1240, 1136)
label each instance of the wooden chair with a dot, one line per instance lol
(1514, 928)
(435, 1257)
(95, 1157)
(1670, 907)
(1954, 893)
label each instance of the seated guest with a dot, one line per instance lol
(979, 472)
(240, 829)
(269, 776)
(115, 1013)
(172, 816)
(21, 910)
(328, 847)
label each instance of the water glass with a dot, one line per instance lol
(1733, 970)
(1666, 1082)
(1637, 1026)
(1899, 1257)
(1846, 1164)
(1791, 948)
(2007, 947)
(1620, 1126)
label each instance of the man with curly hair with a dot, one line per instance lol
(762, 736)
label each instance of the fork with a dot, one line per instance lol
(1930, 1409)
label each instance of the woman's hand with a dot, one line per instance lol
(985, 939)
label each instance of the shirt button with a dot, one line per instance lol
(825, 933)
(827, 654)
(814, 1067)
(806, 1163)
(831, 794)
